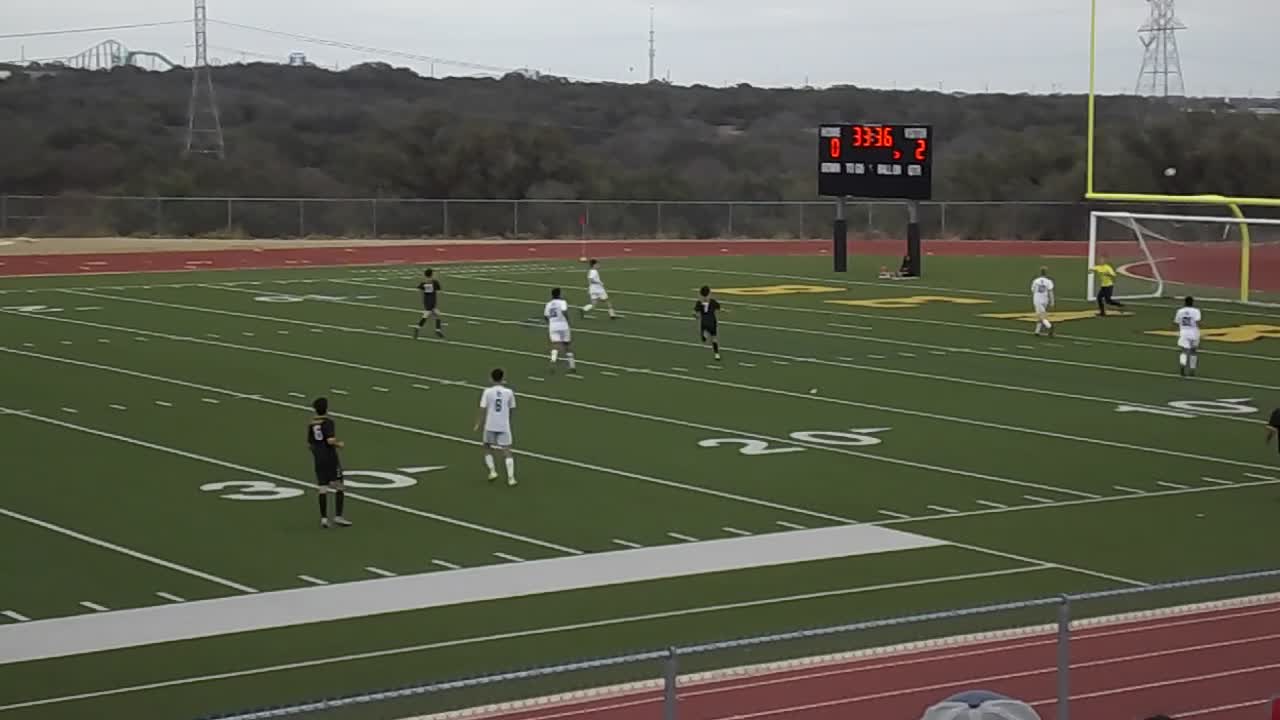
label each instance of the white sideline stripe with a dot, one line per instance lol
(508, 557)
(15, 616)
(1122, 488)
(293, 481)
(988, 503)
(446, 564)
(736, 531)
(312, 580)
(1174, 485)
(94, 606)
(1219, 481)
(112, 546)
(1256, 476)
(380, 571)
(626, 543)
(893, 514)
(117, 407)
(170, 597)
(363, 598)
(889, 341)
(740, 386)
(850, 327)
(535, 632)
(943, 509)
(685, 538)
(791, 525)
(1033, 498)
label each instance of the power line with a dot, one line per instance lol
(368, 49)
(104, 28)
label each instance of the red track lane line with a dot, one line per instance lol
(1244, 619)
(354, 254)
(1219, 710)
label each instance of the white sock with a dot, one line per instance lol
(1039, 327)
(1182, 359)
(611, 313)
(488, 462)
(1048, 325)
(554, 354)
(1195, 360)
(587, 308)
(569, 356)
(511, 468)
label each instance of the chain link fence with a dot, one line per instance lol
(75, 215)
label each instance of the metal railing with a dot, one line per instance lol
(673, 669)
(76, 215)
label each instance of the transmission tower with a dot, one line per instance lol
(1161, 73)
(204, 126)
(653, 52)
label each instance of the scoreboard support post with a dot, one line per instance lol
(840, 238)
(915, 265)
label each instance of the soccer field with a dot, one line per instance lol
(865, 449)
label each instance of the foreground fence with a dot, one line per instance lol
(1140, 651)
(371, 218)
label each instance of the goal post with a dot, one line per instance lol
(1233, 259)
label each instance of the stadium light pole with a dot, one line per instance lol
(840, 237)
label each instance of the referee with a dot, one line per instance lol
(1106, 285)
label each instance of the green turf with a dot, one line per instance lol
(1007, 445)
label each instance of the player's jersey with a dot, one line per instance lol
(706, 310)
(319, 431)
(497, 402)
(1106, 274)
(430, 292)
(594, 283)
(1188, 321)
(1041, 289)
(557, 314)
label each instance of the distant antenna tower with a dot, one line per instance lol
(1161, 73)
(653, 53)
(204, 126)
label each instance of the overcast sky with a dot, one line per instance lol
(1001, 45)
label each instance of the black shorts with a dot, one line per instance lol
(1104, 293)
(429, 305)
(328, 472)
(709, 328)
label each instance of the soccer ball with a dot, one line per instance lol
(1170, 171)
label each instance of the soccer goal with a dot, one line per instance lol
(1161, 256)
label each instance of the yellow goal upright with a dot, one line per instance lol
(1232, 203)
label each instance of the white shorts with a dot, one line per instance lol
(597, 294)
(1188, 343)
(560, 336)
(1042, 308)
(497, 439)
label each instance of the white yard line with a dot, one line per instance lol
(681, 537)
(170, 597)
(312, 580)
(420, 386)
(626, 543)
(1256, 476)
(445, 564)
(112, 546)
(211, 401)
(508, 557)
(1174, 485)
(15, 616)
(1219, 481)
(118, 407)
(893, 514)
(736, 531)
(532, 632)
(791, 525)
(1034, 498)
(94, 606)
(162, 403)
(380, 572)
(1122, 488)
(70, 411)
(294, 481)
(996, 505)
(943, 509)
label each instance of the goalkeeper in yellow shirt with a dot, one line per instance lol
(1106, 285)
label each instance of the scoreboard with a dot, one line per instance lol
(876, 161)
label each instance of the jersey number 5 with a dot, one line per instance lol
(497, 404)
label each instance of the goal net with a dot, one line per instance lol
(1214, 258)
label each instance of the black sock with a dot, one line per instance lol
(324, 505)
(715, 347)
(437, 323)
(339, 499)
(422, 321)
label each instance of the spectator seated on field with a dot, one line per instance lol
(980, 705)
(904, 271)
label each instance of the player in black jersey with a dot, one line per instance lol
(324, 446)
(705, 309)
(430, 288)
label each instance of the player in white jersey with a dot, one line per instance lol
(496, 404)
(596, 292)
(557, 314)
(1043, 300)
(1187, 319)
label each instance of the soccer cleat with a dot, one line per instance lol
(341, 522)
(511, 482)
(324, 522)
(717, 357)
(440, 334)
(493, 476)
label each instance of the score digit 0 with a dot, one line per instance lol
(835, 148)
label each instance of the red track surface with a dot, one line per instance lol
(355, 254)
(1218, 665)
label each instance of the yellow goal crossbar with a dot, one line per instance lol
(1231, 203)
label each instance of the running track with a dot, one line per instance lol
(1214, 665)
